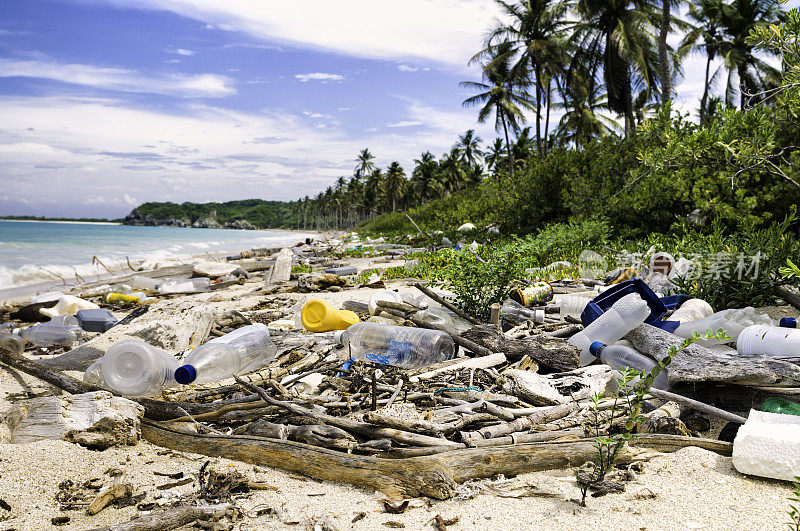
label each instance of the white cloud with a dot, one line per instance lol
(319, 76)
(202, 152)
(121, 79)
(344, 109)
(405, 123)
(411, 29)
(407, 68)
(182, 51)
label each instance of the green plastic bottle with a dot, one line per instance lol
(780, 405)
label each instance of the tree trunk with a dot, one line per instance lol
(662, 52)
(538, 109)
(508, 144)
(547, 119)
(704, 100)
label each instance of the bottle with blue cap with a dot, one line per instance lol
(133, 368)
(618, 356)
(400, 346)
(788, 322)
(244, 350)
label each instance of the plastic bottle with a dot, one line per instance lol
(136, 297)
(444, 319)
(572, 306)
(518, 312)
(134, 368)
(184, 285)
(618, 356)
(61, 330)
(142, 282)
(383, 295)
(624, 315)
(13, 342)
(46, 297)
(734, 321)
(319, 316)
(68, 305)
(775, 404)
(692, 310)
(400, 346)
(94, 374)
(247, 349)
(769, 341)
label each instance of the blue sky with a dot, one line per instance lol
(110, 103)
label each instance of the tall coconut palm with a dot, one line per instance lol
(503, 92)
(620, 36)
(493, 154)
(582, 120)
(364, 163)
(469, 148)
(536, 29)
(373, 187)
(394, 185)
(423, 180)
(754, 73)
(706, 36)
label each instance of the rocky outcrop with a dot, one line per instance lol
(241, 224)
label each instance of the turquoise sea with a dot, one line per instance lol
(34, 252)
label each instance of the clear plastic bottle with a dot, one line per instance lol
(400, 346)
(13, 342)
(94, 374)
(572, 306)
(618, 356)
(692, 310)
(143, 282)
(62, 330)
(244, 350)
(764, 340)
(444, 319)
(134, 368)
(184, 285)
(626, 314)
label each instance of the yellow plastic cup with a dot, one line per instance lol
(319, 316)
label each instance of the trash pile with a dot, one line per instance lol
(351, 393)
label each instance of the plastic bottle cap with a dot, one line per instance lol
(337, 336)
(594, 348)
(185, 374)
(788, 322)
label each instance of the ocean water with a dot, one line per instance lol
(33, 252)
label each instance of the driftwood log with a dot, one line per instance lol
(698, 365)
(169, 518)
(547, 351)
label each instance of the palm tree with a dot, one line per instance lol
(706, 36)
(493, 154)
(423, 179)
(582, 121)
(619, 34)
(394, 185)
(373, 188)
(754, 74)
(536, 31)
(365, 164)
(504, 92)
(469, 148)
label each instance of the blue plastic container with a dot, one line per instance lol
(658, 306)
(97, 320)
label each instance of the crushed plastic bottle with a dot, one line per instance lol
(184, 285)
(572, 306)
(399, 346)
(692, 310)
(763, 340)
(776, 404)
(244, 350)
(624, 315)
(618, 356)
(134, 368)
(62, 330)
(445, 319)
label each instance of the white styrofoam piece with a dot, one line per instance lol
(768, 445)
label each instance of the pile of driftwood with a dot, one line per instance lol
(515, 402)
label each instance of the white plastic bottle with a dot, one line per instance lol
(764, 340)
(134, 368)
(626, 314)
(572, 306)
(184, 285)
(62, 330)
(244, 350)
(618, 356)
(400, 346)
(692, 310)
(384, 295)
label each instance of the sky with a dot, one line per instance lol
(106, 104)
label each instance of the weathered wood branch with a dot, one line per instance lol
(168, 518)
(551, 352)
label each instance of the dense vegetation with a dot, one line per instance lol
(42, 218)
(262, 214)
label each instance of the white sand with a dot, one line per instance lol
(693, 488)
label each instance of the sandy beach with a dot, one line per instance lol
(689, 489)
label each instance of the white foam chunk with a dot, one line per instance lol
(768, 445)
